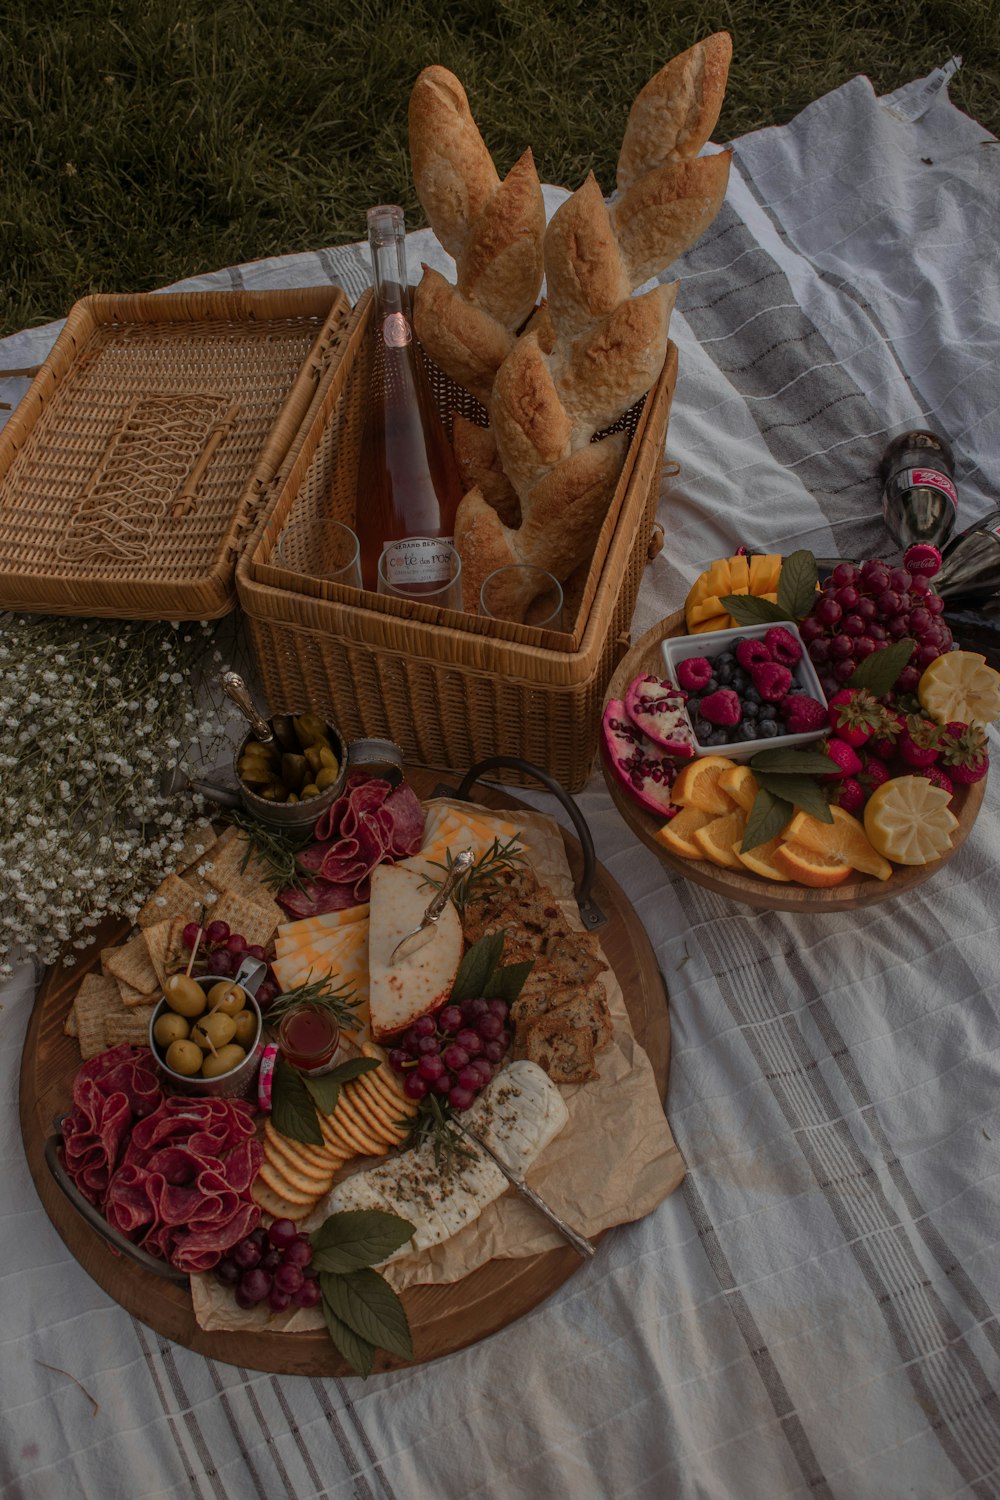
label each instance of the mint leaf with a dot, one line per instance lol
(747, 609)
(292, 1111)
(354, 1239)
(508, 982)
(801, 790)
(768, 817)
(358, 1352)
(794, 762)
(797, 584)
(325, 1090)
(369, 1307)
(878, 672)
(476, 967)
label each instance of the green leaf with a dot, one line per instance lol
(325, 1090)
(878, 672)
(353, 1239)
(747, 609)
(794, 762)
(768, 817)
(370, 1307)
(477, 966)
(508, 982)
(797, 584)
(359, 1353)
(801, 790)
(292, 1111)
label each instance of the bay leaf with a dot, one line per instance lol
(879, 672)
(293, 1113)
(800, 790)
(369, 1306)
(748, 609)
(358, 1352)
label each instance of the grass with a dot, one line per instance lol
(149, 140)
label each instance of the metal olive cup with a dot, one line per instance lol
(240, 1082)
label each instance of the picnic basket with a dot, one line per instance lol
(451, 689)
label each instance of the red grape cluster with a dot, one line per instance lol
(221, 952)
(862, 610)
(455, 1052)
(271, 1263)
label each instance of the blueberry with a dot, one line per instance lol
(711, 686)
(767, 711)
(767, 729)
(723, 672)
(739, 682)
(747, 730)
(725, 659)
(751, 710)
(718, 737)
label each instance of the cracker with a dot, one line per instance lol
(564, 1051)
(274, 1178)
(70, 1025)
(166, 947)
(224, 865)
(130, 1026)
(97, 1001)
(256, 920)
(173, 897)
(131, 965)
(197, 841)
(373, 1115)
(131, 997)
(272, 1203)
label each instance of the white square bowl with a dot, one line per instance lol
(711, 644)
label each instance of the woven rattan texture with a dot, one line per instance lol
(129, 492)
(449, 688)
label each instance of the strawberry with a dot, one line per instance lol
(964, 753)
(919, 742)
(885, 743)
(783, 646)
(856, 715)
(771, 680)
(802, 713)
(847, 759)
(851, 795)
(873, 774)
(938, 778)
(694, 673)
(722, 707)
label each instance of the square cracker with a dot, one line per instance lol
(197, 841)
(130, 1026)
(166, 947)
(131, 965)
(224, 865)
(256, 920)
(173, 897)
(70, 1025)
(97, 1002)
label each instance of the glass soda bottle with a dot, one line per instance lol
(408, 483)
(919, 499)
(970, 566)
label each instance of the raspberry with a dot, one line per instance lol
(802, 713)
(772, 681)
(750, 653)
(694, 673)
(847, 760)
(851, 795)
(722, 708)
(783, 646)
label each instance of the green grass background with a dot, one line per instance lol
(145, 141)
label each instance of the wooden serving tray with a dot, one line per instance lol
(442, 1318)
(754, 890)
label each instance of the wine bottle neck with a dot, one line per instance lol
(387, 241)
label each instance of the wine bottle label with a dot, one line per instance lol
(417, 560)
(396, 332)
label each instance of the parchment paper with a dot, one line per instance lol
(614, 1161)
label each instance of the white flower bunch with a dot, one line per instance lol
(96, 719)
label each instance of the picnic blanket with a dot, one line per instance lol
(814, 1311)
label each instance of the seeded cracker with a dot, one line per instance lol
(172, 898)
(197, 841)
(162, 940)
(132, 1027)
(97, 1001)
(131, 966)
(223, 866)
(256, 920)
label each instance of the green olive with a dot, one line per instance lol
(170, 1027)
(227, 997)
(214, 1031)
(246, 1028)
(223, 1061)
(184, 1058)
(184, 995)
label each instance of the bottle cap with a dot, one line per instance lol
(265, 1078)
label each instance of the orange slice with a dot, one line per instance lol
(741, 784)
(844, 840)
(761, 859)
(959, 685)
(698, 785)
(809, 867)
(676, 835)
(909, 820)
(716, 839)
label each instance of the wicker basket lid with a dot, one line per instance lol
(134, 466)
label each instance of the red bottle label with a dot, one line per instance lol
(930, 479)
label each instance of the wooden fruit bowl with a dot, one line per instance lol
(752, 889)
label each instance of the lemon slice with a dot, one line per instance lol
(908, 820)
(959, 685)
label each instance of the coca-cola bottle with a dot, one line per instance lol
(919, 499)
(970, 564)
(408, 483)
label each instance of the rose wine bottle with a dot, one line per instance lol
(408, 483)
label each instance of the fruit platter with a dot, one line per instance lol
(251, 1099)
(802, 743)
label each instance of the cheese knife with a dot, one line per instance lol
(580, 1245)
(424, 931)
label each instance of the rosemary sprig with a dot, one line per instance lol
(339, 1000)
(432, 1122)
(277, 850)
(499, 859)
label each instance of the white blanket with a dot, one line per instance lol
(815, 1311)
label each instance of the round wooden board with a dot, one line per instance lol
(752, 889)
(442, 1318)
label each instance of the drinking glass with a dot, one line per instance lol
(424, 569)
(319, 548)
(523, 594)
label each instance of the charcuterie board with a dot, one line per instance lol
(443, 1318)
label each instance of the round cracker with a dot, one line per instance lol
(358, 1139)
(297, 1170)
(272, 1203)
(397, 1104)
(317, 1155)
(274, 1178)
(375, 1116)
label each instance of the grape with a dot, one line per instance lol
(288, 1278)
(299, 1252)
(844, 574)
(830, 685)
(246, 1254)
(190, 934)
(841, 645)
(254, 1286)
(926, 655)
(282, 1232)
(921, 620)
(227, 1271)
(450, 1018)
(905, 603)
(493, 1051)
(256, 951)
(876, 631)
(827, 610)
(469, 1040)
(847, 598)
(221, 962)
(875, 575)
(455, 1056)
(266, 992)
(414, 1087)
(898, 627)
(900, 579)
(477, 1008)
(307, 1295)
(397, 1059)
(921, 585)
(908, 679)
(866, 608)
(259, 1237)
(444, 1084)
(844, 670)
(863, 646)
(468, 1078)
(424, 1026)
(236, 943)
(277, 1300)
(484, 1069)
(888, 603)
(499, 1008)
(935, 604)
(217, 932)
(430, 1068)
(491, 1027)
(811, 629)
(460, 1098)
(271, 1260)
(428, 1046)
(853, 625)
(819, 651)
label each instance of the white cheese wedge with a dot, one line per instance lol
(518, 1114)
(400, 992)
